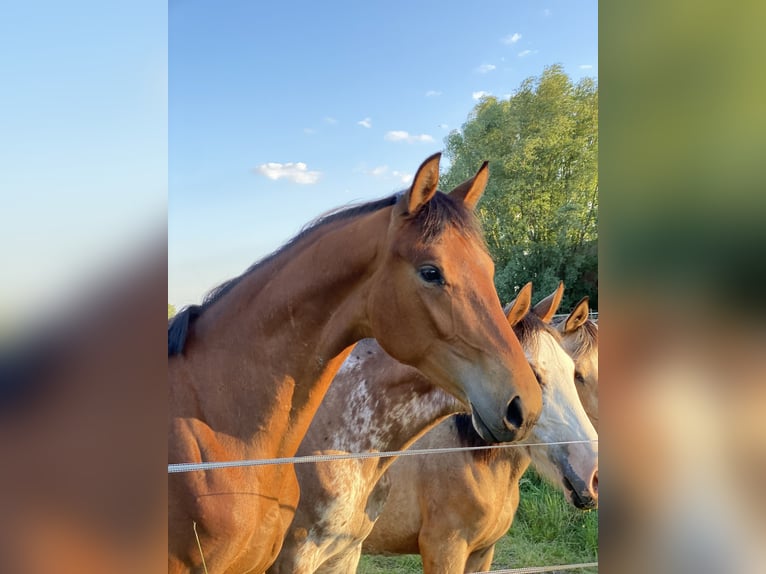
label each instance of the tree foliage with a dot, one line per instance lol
(171, 310)
(540, 210)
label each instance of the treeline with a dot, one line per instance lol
(540, 210)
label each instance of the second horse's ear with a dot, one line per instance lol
(471, 190)
(519, 307)
(578, 316)
(424, 187)
(547, 308)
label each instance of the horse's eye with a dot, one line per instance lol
(579, 378)
(431, 274)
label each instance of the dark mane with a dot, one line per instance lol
(178, 328)
(441, 211)
(350, 212)
(467, 436)
(528, 326)
(435, 215)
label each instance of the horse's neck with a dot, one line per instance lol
(512, 457)
(385, 405)
(269, 348)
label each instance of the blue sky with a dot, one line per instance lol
(83, 144)
(281, 111)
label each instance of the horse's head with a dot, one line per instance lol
(579, 337)
(574, 467)
(433, 306)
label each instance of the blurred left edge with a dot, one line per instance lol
(83, 177)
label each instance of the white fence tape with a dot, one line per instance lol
(194, 466)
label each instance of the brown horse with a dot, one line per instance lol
(579, 337)
(249, 368)
(388, 406)
(453, 508)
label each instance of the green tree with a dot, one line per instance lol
(171, 310)
(540, 210)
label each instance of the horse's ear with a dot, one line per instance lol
(423, 187)
(578, 316)
(519, 307)
(471, 190)
(547, 308)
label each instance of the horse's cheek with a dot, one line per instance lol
(394, 316)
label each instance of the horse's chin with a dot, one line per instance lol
(506, 435)
(575, 499)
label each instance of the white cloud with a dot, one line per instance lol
(395, 136)
(586, 66)
(525, 53)
(484, 68)
(433, 93)
(443, 126)
(383, 172)
(511, 39)
(309, 131)
(402, 136)
(297, 172)
(365, 123)
(403, 176)
(330, 120)
(480, 94)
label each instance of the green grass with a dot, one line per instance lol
(546, 531)
(389, 565)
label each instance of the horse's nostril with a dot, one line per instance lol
(594, 484)
(513, 415)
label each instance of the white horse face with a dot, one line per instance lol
(572, 467)
(579, 337)
(586, 382)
